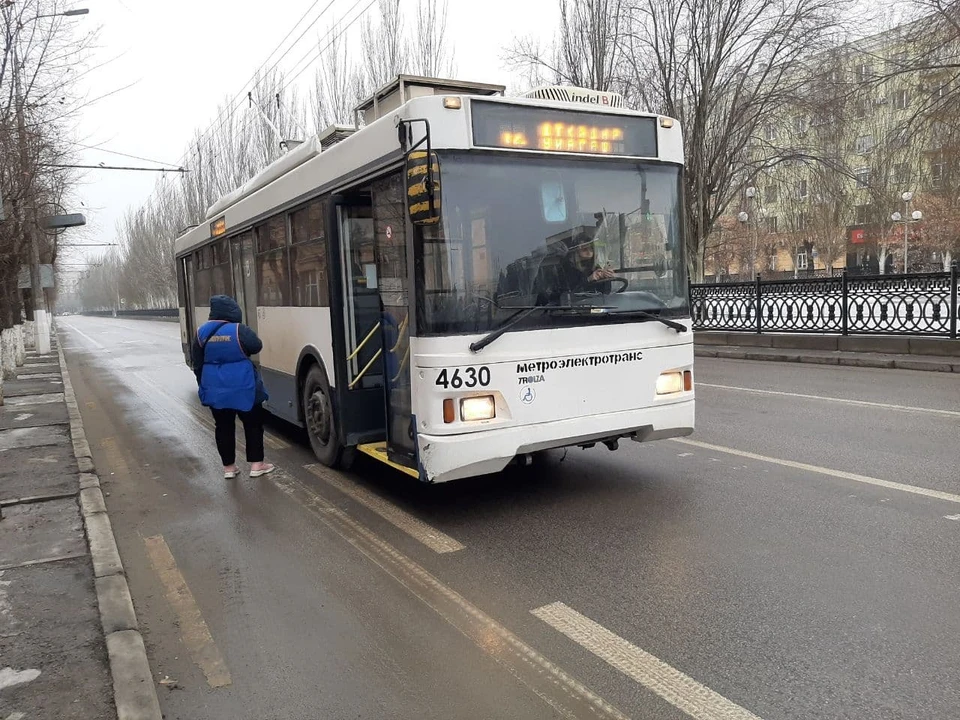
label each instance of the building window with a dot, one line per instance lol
(802, 190)
(802, 260)
(864, 144)
(936, 174)
(863, 177)
(772, 263)
(863, 72)
(799, 124)
(770, 193)
(770, 132)
(861, 212)
(901, 174)
(940, 92)
(901, 99)
(772, 225)
(802, 222)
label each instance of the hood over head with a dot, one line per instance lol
(224, 307)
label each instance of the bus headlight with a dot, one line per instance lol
(675, 381)
(478, 408)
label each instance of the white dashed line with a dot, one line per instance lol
(842, 401)
(680, 690)
(414, 527)
(913, 489)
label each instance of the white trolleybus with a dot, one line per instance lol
(465, 281)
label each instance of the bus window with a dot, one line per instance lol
(221, 282)
(273, 278)
(309, 256)
(273, 285)
(203, 279)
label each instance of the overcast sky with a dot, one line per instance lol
(183, 57)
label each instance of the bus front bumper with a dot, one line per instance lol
(452, 457)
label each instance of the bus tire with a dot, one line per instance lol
(319, 417)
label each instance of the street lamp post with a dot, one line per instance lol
(906, 218)
(41, 327)
(744, 218)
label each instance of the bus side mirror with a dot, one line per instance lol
(423, 187)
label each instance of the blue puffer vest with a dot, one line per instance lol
(228, 380)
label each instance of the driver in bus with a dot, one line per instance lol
(577, 271)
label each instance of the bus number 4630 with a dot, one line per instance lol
(470, 377)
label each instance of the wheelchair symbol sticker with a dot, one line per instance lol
(527, 395)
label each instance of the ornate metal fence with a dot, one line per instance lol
(915, 304)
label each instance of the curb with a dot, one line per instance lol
(862, 361)
(134, 692)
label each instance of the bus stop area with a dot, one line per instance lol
(814, 502)
(65, 613)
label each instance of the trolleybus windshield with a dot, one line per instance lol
(519, 231)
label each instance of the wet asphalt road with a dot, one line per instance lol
(772, 561)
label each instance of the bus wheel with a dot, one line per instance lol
(318, 414)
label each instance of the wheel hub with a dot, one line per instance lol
(318, 416)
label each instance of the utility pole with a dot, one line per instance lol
(41, 328)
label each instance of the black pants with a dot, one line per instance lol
(226, 433)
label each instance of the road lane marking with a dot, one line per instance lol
(412, 526)
(913, 489)
(82, 334)
(274, 442)
(569, 697)
(842, 401)
(951, 517)
(193, 629)
(680, 690)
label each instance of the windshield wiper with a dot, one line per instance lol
(522, 315)
(651, 316)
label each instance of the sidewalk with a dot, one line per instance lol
(69, 644)
(925, 354)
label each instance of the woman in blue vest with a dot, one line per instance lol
(230, 384)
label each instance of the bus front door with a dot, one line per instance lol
(359, 367)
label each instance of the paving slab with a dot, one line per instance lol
(47, 361)
(30, 400)
(32, 437)
(36, 416)
(51, 641)
(32, 532)
(32, 472)
(29, 370)
(22, 387)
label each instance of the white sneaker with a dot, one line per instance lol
(263, 471)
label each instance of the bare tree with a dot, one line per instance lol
(37, 104)
(334, 93)
(383, 46)
(724, 69)
(587, 52)
(430, 54)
